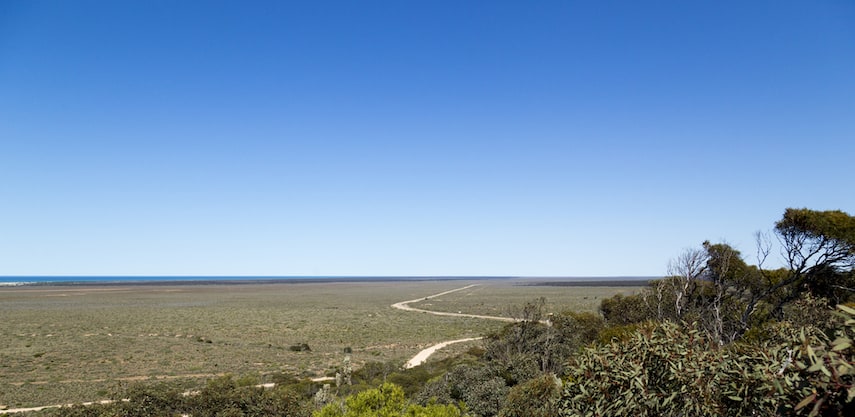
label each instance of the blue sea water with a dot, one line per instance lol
(27, 280)
(102, 278)
(11, 280)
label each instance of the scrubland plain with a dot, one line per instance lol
(65, 344)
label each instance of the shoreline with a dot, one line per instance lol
(191, 281)
(66, 281)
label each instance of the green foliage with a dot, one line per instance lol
(811, 311)
(715, 288)
(79, 410)
(224, 396)
(660, 370)
(136, 400)
(523, 350)
(374, 372)
(433, 410)
(820, 252)
(619, 333)
(244, 397)
(411, 380)
(517, 351)
(148, 400)
(386, 401)
(828, 368)
(477, 386)
(531, 311)
(537, 397)
(665, 369)
(621, 310)
(834, 225)
(577, 329)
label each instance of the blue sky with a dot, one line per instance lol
(560, 138)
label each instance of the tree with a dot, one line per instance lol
(528, 347)
(709, 285)
(819, 247)
(686, 271)
(716, 288)
(819, 250)
(729, 283)
(521, 351)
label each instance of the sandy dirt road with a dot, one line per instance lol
(423, 356)
(404, 305)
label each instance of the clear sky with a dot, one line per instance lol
(560, 138)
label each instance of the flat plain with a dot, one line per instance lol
(74, 343)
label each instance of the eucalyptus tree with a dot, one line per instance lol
(714, 287)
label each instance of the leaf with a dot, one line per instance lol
(846, 309)
(844, 344)
(811, 354)
(815, 367)
(803, 403)
(816, 407)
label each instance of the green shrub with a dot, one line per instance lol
(617, 333)
(620, 309)
(477, 386)
(79, 410)
(577, 329)
(386, 401)
(159, 399)
(537, 397)
(828, 368)
(667, 369)
(242, 397)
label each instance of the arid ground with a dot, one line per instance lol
(64, 344)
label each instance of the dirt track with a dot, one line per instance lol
(403, 305)
(422, 356)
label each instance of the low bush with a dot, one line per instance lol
(538, 397)
(388, 400)
(668, 369)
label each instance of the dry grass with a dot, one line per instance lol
(500, 298)
(74, 343)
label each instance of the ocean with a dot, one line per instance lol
(11, 280)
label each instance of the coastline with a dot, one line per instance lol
(61, 281)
